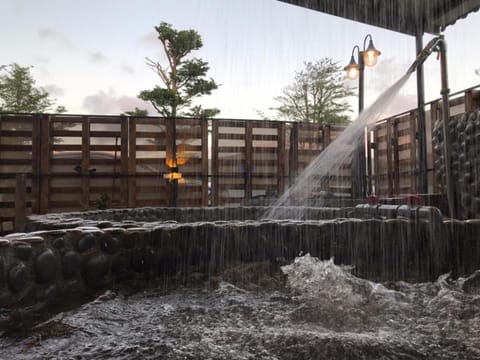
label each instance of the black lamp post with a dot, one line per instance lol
(368, 56)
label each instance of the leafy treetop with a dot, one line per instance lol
(18, 92)
(183, 79)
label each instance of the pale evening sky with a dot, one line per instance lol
(90, 54)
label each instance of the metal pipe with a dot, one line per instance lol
(442, 49)
(438, 44)
(361, 168)
(422, 138)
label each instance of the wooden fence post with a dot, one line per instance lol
(36, 162)
(434, 108)
(44, 186)
(293, 169)
(389, 159)
(20, 203)
(396, 158)
(413, 153)
(468, 99)
(169, 139)
(215, 180)
(85, 202)
(248, 159)
(205, 179)
(281, 155)
(124, 161)
(369, 162)
(132, 163)
(376, 160)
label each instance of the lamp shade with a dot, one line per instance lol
(370, 56)
(352, 69)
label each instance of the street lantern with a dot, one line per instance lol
(355, 69)
(368, 56)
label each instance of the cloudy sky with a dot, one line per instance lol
(90, 54)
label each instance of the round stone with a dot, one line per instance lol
(2, 274)
(71, 264)
(120, 266)
(17, 277)
(46, 267)
(59, 243)
(95, 269)
(6, 299)
(110, 244)
(86, 242)
(23, 251)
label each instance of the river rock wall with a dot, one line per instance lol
(67, 255)
(464, 132)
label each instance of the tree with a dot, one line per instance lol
(317, 94)
(137, 112)
(183, 79)
(19, 94)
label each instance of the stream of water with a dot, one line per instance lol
(332, 160)
(311, 310)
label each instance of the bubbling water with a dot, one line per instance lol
(330, 161)
(322, 312)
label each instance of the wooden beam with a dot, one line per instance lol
(132, 162)
(85, 164)
(215, 149)
(124, 161)
(248, 159)
(204, 171)
(281, 157)
(293, 168)
(20, 203)
(45, 149)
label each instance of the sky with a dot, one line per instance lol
(90, 54)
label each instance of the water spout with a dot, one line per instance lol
(425, 53)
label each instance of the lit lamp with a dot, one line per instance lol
(369, 57)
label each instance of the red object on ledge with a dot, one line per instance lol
(412, 200)
(373, 200)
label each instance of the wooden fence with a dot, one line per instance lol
(75, 163)
(393, 146)
(72, 163)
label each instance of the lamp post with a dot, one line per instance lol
(368, 56)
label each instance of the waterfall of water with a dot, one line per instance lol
(331, 160)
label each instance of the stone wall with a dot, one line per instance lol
(464, 131)
(74, 254)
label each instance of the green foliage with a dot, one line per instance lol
(137, 112)
(183, 79)
(103, 201)
(60, 109)
(317, 94)
(19, 94)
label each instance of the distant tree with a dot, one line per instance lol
(183, 79)
(60, 109)
(19, 94)
(317, 94)
(137, 112)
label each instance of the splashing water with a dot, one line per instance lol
(331, 160)
(324, 312)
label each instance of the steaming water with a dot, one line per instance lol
(323, 312)
(330, 161)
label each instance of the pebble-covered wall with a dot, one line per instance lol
(72, 254)
(464, 133)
